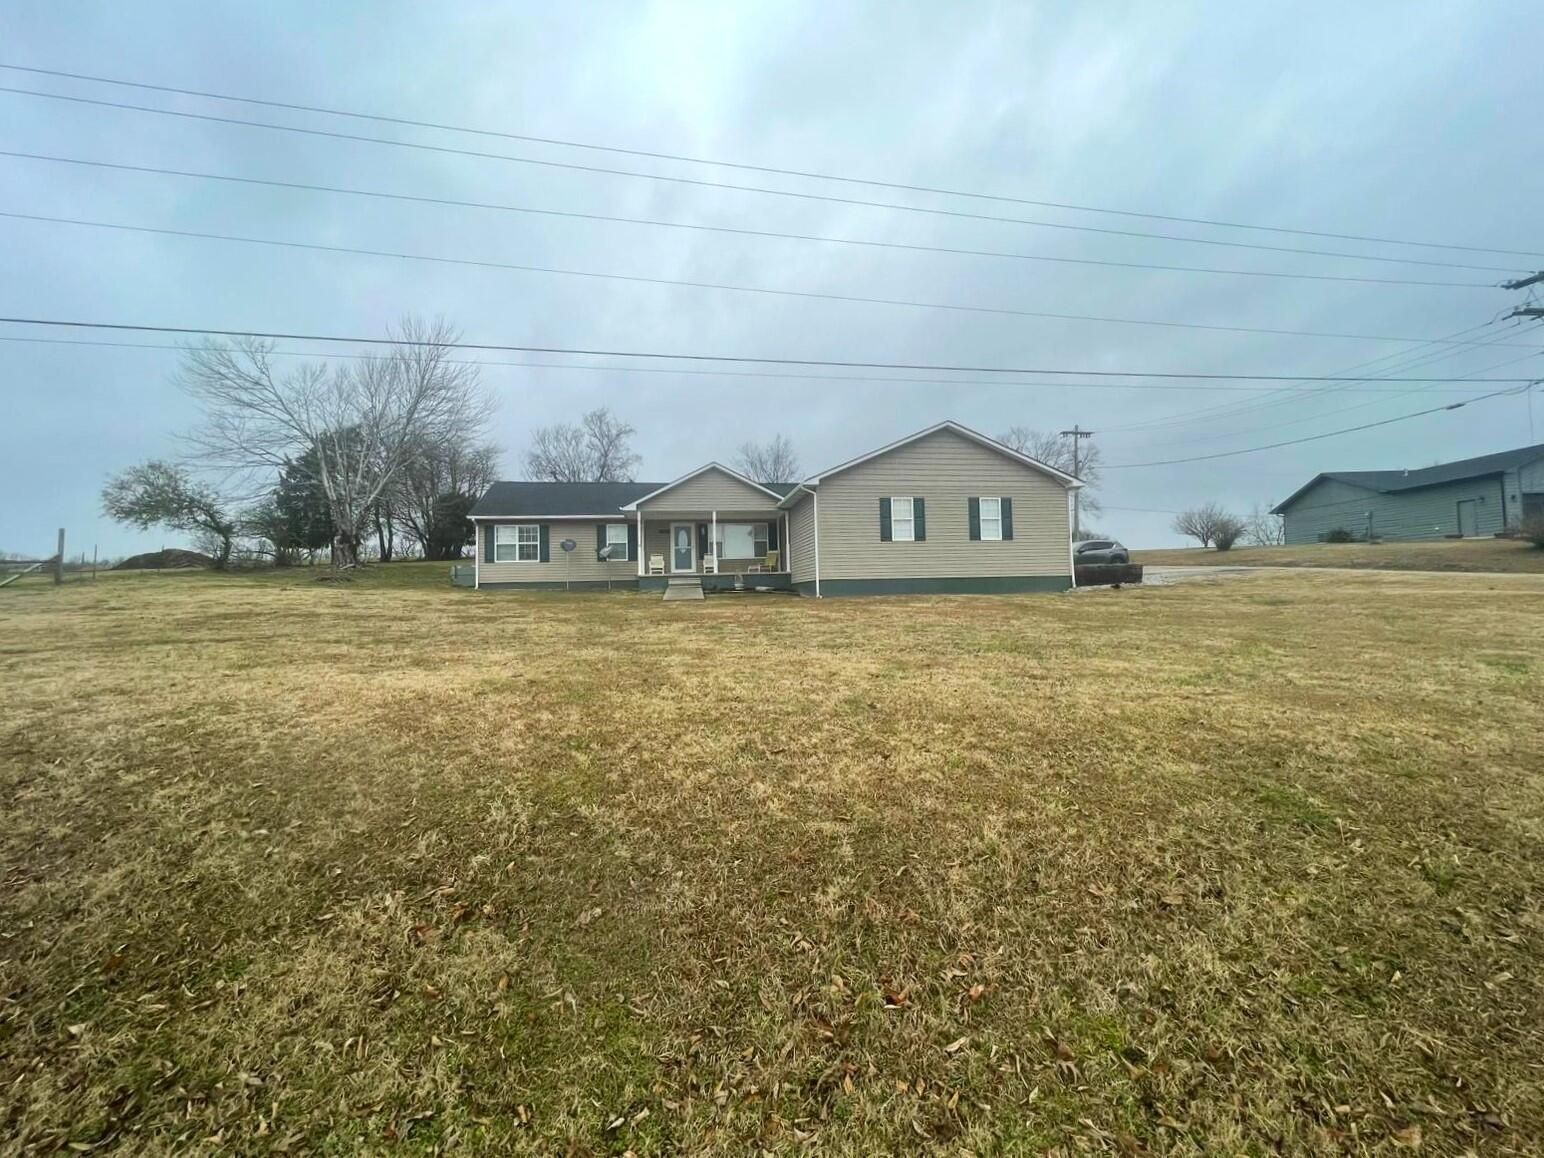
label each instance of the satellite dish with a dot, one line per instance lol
(568, 544)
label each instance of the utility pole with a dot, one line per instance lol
(1078, 434)
(1528, 311)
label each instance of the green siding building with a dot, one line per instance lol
(1474, 497)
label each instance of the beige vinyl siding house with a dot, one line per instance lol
(581, 566)
(801, 541)
(947, 468)
(944, 510)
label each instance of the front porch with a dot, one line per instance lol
(726, 550)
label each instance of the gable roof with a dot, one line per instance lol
(1393, 481)
(975, 436)
(765, 488)
(557, 499)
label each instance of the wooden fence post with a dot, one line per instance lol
(59, 560)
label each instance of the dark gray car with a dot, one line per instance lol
(1100, 551)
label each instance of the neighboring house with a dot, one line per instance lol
(944, 510)
(1477, 496)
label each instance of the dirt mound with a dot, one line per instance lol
(168, 559)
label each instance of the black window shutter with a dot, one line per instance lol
(975, 519)
(884, 520)
(918, 520)
(542, 538)
(600, 538)
(702, 544)
(488, 543)
(632, 542)
(1007, 513)
(772, 535)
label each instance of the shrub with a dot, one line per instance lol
(1227, 532)
(1339, 535)
(1533, 530)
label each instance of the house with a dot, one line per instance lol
(942, 510)
(1476, 496)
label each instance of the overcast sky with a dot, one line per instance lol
(1406, 120)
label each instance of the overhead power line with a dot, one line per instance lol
(678, 371)
(1312, 437)
(657, 155)
(1392, 397)
(815, 295)
(676, 356)
(1390, 365)
(452, 202)
(759, 189)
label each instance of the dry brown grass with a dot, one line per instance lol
(1515, 555)
(1249, 868)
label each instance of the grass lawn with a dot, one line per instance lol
(1435, 555)
(302, 867)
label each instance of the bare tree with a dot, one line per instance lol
(598, 449)
(1263, 529)
(770, 461)
(1210, 524)
(159, 494)
(363, 422)
(1055, 451)
(436, 488)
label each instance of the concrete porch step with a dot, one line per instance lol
(686, 587)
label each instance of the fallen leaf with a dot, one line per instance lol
(957, 1044)
(1409, 1137)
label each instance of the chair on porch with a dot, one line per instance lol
(656, 564)
(710, 564)
(767, 563)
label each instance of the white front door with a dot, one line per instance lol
(683, 547)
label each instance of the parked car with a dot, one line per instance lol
(1100, 551)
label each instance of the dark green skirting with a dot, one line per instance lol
(975, 585)
(777, 582)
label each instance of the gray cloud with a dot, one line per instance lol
(1400, 120)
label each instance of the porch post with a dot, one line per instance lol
(713, 544)
(640, 542)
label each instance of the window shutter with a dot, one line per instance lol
(884, 520)
(489, 532)
(600, 538)
(919, 520)
(632, 542)
(975, 519)
(1007, 513)
(702, 544)
(772, 535)
(543, 549)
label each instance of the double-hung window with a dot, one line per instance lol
(616, 538)
(516, 543)
(903, 528)
(992, 519)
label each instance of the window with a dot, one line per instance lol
(616, 536)
(519, 543)
(902, 528)
(992, 519)
(742, 541)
